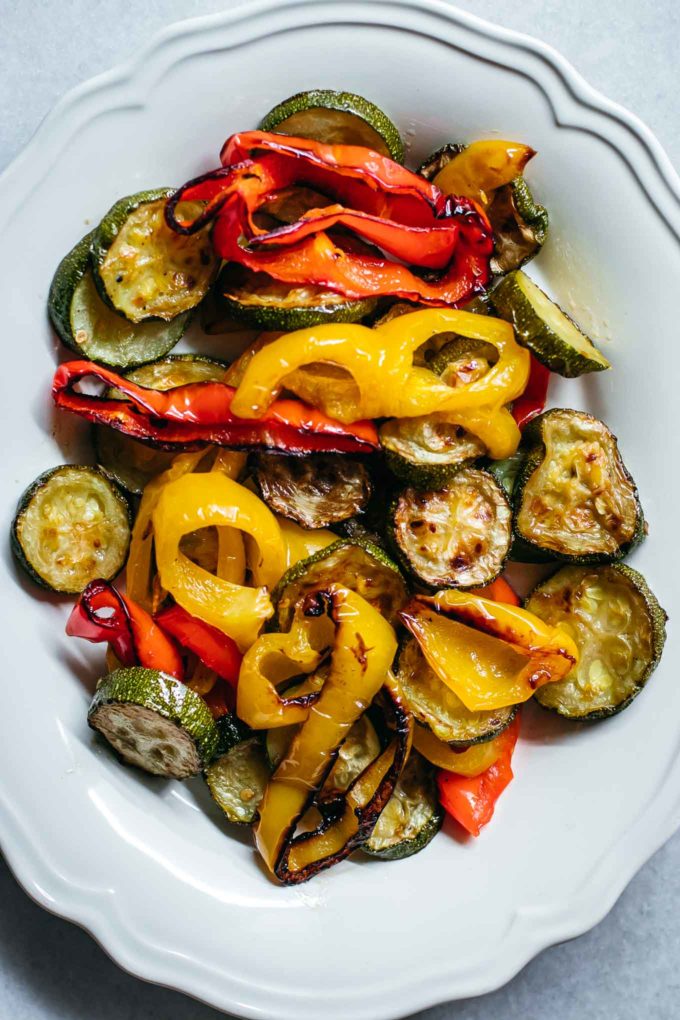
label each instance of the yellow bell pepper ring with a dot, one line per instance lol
(488, 653)
(380, 362)
(197, 501)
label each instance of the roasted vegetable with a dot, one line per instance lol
(360, 566)
(88, 326)
(412, 816)
(258, 300)
(154, 722)
(336, 118)
(314, 491)
(360, 747)
(237, 780)
(574, 499)
(470, 761)
(458, 536)
(519, 224)
(541, 325)
(133, 464)
(144, 270)
(437, 707)
(427, 452)
(72, 525)
(619, 628)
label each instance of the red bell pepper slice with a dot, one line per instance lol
(104, 614)
(215, 649)
(472, 800)
(532, 401)
(199, 413)
(500, 591)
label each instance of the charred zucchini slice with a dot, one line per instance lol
(133, 464)
(257, 300)
(437, 707)
(427, 452)
(455, 537)
(412, 816)
(88, 326)
(361, 566)
(237, 780)
(519, 224)
(574, 498)
(154, 721)
(619, 628)
(142, 268)
(313, 491)
(72, 526)
(541, 325)
(337, 118)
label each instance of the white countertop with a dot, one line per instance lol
(627, 967)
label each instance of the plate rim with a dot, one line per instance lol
(95, 909)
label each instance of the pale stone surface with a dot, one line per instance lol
(624, 969)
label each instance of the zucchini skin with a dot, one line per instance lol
(286, 320)
(658, 618)
(346, 102)
(22, 505)
(164, 695)
(526, 551)
(409, 846)
(421, 476)
(68, 275)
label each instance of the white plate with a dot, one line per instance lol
(141, 863)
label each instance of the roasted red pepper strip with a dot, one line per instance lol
(134, 637)
(532, 401)
(199, 413)
(500, 591)
(471, 800)
(214, 648)
(423, 246)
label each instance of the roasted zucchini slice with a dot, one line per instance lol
(142, 268)
(72, 526)
(336, 118)
(455, 537)
(619, 628)
(154, 721)
(237, 780)
(89, 327)
(257, 300)
(412, 816)
(360, 566)
(541, 325)
(133, 464)
(427, 452)
(437, 707)
(313, 491)
(574, 498)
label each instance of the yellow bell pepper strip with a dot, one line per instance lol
(471, 762)
(300, 542)
(275, 658)
(231, 553)
(490, 654)
(380, 361)
(482, 167)
(364, 645)
(200, 501)
(138, 571)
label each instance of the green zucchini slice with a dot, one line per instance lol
(541, 325)
(257, 300)
(154, 721)
(457, 536)
(574, 499)
(619, 628)
(426, 452)
(361, 566)
(142, 268)
(133, 464)
(336, 118)
(237, 780)
(72, 526)
(313, 491)
(88, 326)
(412, 816)
(437, 707)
